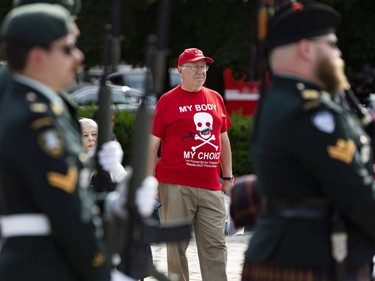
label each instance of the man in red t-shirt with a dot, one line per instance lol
(191, 121)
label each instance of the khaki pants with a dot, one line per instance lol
(206, 210)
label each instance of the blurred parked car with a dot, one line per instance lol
(133, 77)
(123, 97)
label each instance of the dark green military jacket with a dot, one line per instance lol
(309, 147)
(5, 80)
(43, 170)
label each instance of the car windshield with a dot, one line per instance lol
(90, 96)
(136, 78)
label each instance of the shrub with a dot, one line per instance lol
(239, 135)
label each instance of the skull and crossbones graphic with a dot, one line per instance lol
(203, 124)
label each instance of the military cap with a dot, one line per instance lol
(38, 24)
(73, 6)
(299, 21)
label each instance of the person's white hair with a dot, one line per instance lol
(87, 121)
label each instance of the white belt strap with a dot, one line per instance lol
(25, 225)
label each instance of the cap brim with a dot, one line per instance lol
(207, 59)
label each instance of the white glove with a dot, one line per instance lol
(144, 198)
(117, 173)
(119, 276)
(146, 194)
(110, 155)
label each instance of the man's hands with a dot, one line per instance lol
(227, 186)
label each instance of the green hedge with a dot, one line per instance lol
(239, 135)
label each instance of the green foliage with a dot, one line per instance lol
(87, 112)
(239, 135)
(223, 29)
(124, 125)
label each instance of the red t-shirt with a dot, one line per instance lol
(190, 124)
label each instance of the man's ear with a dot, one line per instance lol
(36, 57)
(305, 49)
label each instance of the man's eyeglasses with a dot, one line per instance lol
(195, 68)
(66, 49)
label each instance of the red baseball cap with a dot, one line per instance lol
(191, 55)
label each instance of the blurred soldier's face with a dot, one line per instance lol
(63, 62)
(330, 66)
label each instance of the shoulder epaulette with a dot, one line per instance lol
(37, 106)
(312, 97)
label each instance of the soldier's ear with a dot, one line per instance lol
(37, 58)
(306, 49)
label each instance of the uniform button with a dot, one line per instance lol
(31, 96)
(363, 139)
(300, 86)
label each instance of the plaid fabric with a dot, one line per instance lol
(270, 272)
(246, 201)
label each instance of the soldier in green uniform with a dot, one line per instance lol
(312, 160)
(49, 225)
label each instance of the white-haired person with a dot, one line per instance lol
(89, 132)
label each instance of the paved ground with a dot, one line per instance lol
(236, 246)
